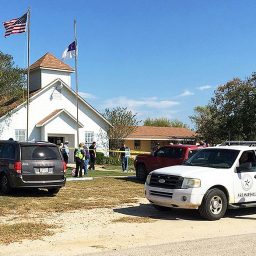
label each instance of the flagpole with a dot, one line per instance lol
(77, 126)
(28, 69)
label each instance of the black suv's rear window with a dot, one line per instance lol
(40, 153)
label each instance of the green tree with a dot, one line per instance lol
(163, 122)
(231, 112)
(12, 82)
(178, 123)
(206, 126)
(124, 123)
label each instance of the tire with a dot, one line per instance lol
(5, 185)
(141, 172)
(161, 208)
(214, 205)
(53, 191)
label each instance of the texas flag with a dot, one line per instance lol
(70, 52)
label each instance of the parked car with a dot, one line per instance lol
(165, 156)
(31, 165)
(212, 180)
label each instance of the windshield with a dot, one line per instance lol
(213, 157)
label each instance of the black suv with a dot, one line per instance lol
(31, 165)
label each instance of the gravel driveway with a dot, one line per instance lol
(90, 231)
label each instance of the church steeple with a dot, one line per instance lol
(47, 69)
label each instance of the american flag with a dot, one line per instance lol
(15, 26)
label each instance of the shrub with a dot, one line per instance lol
(100, 158)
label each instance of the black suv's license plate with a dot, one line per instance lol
(43, 170)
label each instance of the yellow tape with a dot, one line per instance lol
(118, 151)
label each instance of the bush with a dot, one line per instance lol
(100, 158)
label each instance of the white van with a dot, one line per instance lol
(214, 179)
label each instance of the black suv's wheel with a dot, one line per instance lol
(141, 172)
(214, 204)
(161, 208)
(5, 184)
(53, 191)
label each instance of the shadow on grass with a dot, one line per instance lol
(131, 178)
(28, 192)
(148, 210)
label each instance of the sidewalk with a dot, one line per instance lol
(79, 178)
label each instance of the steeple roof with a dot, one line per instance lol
(49, 61)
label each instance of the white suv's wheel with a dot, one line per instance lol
(214, 204)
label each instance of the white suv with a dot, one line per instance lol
(214, 179)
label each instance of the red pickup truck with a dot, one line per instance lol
(165, 156)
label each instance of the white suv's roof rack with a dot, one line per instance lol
(240, 143)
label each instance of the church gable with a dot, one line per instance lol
(56, 95)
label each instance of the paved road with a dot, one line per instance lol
(223, 246)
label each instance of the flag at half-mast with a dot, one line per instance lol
(15, 26)
(70, 52)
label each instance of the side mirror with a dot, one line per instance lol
(239, 169)
(245, 168)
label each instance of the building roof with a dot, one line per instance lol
(7, 104)
(53, 115)
(160, 133)
(48, 61)
(22, 101)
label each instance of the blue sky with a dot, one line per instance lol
(159, 58)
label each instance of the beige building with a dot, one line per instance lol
(144, 138)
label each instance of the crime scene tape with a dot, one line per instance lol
(132, 152)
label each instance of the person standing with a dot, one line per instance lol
(79, 158)
(61, 147)
(156, 147)
(62, 150)
(65, 152)
(87, 158)
(92, 151)
(124, 156)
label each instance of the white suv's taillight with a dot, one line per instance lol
(17, 167)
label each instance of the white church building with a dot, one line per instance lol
(53, 110)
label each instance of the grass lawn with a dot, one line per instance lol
(105, 171)
(76, 195)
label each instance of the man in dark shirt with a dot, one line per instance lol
(92, 151)
(124, 155)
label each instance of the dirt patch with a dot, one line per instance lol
(97, 230)
(125, 219)
(134, 220)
